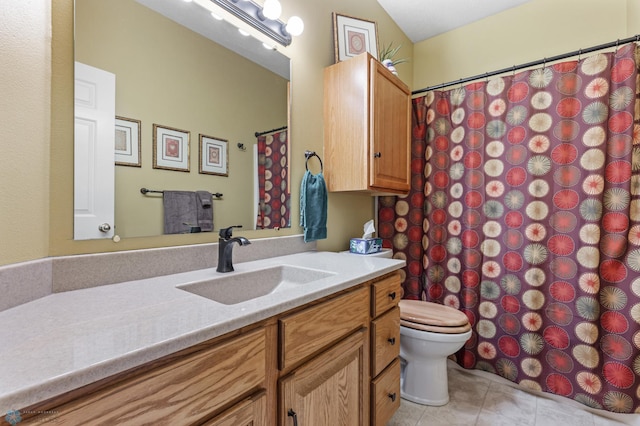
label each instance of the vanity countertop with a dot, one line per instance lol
(67, 340)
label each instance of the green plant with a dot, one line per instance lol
(388, 52)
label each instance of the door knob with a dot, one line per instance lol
(105, 227)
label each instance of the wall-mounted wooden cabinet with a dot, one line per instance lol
(367, 128)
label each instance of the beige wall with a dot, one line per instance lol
(532, 31)
(24, 139)
(37, 202)
(168, 75)
(537, 29)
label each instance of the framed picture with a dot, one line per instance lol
(128, 142)
(214, 156)
(170, 148)
(353, 36)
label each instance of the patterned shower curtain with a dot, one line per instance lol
(524, 214)
(274, 196)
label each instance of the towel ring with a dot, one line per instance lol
(309, 154)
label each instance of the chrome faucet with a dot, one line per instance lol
(225, 248)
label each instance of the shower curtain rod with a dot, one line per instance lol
(530, 64)
(269, 131)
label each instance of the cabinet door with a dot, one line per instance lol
(331, 389)
(390, 131)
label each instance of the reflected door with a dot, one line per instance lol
(94, 157)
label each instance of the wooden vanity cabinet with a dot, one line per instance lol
(367, 128)
(324, 363)
(385, 348)
(329, 362)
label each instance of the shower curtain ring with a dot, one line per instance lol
(579, 54)
(617, 44)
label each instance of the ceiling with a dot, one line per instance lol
(422, 19)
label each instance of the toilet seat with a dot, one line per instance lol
(432, 317)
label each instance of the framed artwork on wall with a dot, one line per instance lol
(214, 156)
(170, 148)
(353, 36)
(128, 142)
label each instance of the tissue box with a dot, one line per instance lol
(365, 245)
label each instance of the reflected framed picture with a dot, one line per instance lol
(214, 156)
(170, 148)
(128, 142)
(353, 36)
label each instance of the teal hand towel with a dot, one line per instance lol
(313, 207)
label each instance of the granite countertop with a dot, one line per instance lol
(67, 340)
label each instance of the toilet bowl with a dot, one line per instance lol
(429, 333)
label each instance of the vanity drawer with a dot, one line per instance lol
(306, 332)
(385, 394)
(385, 337)
(181, 392)
(385, 294)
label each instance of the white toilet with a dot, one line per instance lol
(429, 333)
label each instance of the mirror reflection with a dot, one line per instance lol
(192, 115)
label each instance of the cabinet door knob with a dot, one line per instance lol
(392, 396)
(377, 155)
(293, 414)
(392, 295)
(391, 340)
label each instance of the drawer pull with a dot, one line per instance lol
(293, 414)
(392, 295)
(391, 340)
(392, 396)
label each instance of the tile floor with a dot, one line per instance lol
(484, 399)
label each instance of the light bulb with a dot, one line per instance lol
(216, 17)
(268, 46)
(295, 26)
(272, 9)
(243, 32)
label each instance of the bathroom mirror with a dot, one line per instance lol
(177, 78)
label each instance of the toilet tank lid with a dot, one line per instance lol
(430, 313)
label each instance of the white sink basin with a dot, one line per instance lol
(238, 287)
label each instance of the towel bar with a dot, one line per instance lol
(145, 191)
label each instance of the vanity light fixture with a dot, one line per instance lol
(265, 18)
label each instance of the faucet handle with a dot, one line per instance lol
(226, 233)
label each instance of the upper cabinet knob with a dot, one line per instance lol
(377, 155)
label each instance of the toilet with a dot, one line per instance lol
(429, 333)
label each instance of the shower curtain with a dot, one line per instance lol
(273, 190)
(524, 213)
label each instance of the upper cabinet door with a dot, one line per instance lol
(390, 130)
(367, 121)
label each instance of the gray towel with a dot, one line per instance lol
(180, 211)
(204, 211)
